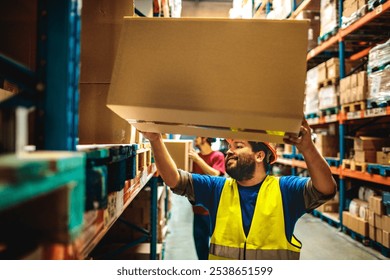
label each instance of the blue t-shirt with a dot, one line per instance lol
(208, 191)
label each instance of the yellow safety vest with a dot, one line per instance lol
(266, 238)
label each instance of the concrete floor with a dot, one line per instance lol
(320, 240)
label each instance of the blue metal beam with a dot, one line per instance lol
(58, 60)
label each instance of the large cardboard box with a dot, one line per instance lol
(100, 33)
(211, 77)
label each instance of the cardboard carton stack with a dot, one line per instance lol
(311, 92)
(102, 22)
(328, 16)
(354, 88)
(379, 222)
(327, 145)
(366, 148)
(383, 156)
(314, 29)
(352, 10)
(379, 73)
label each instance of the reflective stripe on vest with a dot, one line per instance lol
(266, 238)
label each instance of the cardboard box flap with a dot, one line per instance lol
(217, 76)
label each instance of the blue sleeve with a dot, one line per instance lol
(293, 201)
(207, 190)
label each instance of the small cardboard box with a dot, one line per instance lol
(371, 217)
(362, 78)
(375, 204)
(329, 206)
(386, 223)
(386, 239)
(378, 221)
(383, 158)
(167, 68)
(378, 235)
(365, 156)
(179, 150)
(368, 143)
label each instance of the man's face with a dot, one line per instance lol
(240, 161)
(198, 141)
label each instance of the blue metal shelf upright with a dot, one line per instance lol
(52, 88)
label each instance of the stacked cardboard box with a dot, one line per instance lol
(102, 23)
(355, 223)
(311, 92)
(327, 145)
(379, 222)
(366, 148)
(354, 88)
(314, 28)
(351, 6)
(328, 16)
(383, 156)
(328, 97)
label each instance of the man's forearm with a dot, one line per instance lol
(320, 172)
(164, 163)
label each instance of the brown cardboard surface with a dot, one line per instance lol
(179, 150)
(100, 32)
(97, 123)
(211, 77)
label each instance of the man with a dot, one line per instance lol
(253, 214)
(209, 162)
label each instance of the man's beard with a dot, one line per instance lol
(244, 168)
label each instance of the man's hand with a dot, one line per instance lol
(303, 141)
(194, 156)
(151, 136)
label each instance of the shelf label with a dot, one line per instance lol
(353, 115)
(374, 112)
(331, 118)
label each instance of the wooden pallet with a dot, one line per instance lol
(354, 165)
(353, 107)
(383, 170)
(329, 111)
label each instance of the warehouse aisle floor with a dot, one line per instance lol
(320, 240)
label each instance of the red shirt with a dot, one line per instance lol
(215, 159)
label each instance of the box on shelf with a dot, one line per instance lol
(327, 145)
(98, 124)
(328, 97)
(386, 239)
(314, 29)
(365, 156)
(386, 223)
(375, 204)
(383, 157)
(356, 224)
(371, 232)
(367, 143)
(378, 235)
(204, 48)
(179, 150)
(329, 206)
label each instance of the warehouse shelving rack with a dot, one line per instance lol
(50, 86)
(353, 42)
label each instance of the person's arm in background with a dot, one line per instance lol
(207, 169)
(319, 170)
(164, 162)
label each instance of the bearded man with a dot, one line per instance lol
(253, 214)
